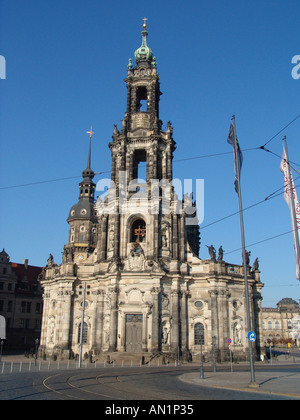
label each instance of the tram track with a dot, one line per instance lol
(123, 386)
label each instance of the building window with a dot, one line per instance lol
(141, 99)
(199, 334)
(84, 333)
(199, 304)
(26, 307)
(140, 165)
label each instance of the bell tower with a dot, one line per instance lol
(82, 218)
(141, 173)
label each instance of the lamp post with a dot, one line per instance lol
(214, 340)
(1, 349)
(36, 350)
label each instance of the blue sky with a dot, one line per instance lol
(66, 65)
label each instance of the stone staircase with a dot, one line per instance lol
(135, 359)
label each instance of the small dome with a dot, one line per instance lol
(287, 304)
(144, 53)
(84, 209)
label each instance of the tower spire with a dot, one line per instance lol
(88, 173)
(90, 147)
(144, 53)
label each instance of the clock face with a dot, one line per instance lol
(80, 258)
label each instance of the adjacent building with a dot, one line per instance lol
(282, 324)
(20, 303)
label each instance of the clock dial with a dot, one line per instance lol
(80, 258)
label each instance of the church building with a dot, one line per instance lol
(131, 280)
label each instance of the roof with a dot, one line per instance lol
(28, 275)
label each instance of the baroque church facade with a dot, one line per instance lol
(131, 280)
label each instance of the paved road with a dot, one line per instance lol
(144, 385)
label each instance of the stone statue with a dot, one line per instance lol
(165, 335)
(248, 253)
(221, 254)
(50, 261)
(255, 265)
(212, 252)
(111, 238)
(237, 334)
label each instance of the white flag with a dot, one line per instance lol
(290, 196)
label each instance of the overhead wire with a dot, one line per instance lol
(175, 160)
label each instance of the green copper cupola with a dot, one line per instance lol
(144, 53)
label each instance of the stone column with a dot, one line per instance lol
(103, 239)
(145, 332)
(175, 236)
(214, 315)
(46, 308)
(98, 320)
(223, 326)
(258, 322)
(175, 321)
(122, 320)
(183, 313)
(66, 318)
(117, 236)
(155, 320)
(182, 237)
(113, 319)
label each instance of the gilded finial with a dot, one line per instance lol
(145, 23)
(90, 132)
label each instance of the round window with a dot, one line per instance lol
(199, 304)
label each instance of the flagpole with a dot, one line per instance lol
(237, 171)
(293, 212)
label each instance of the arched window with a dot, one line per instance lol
(199, 334)
(84, 333)
(138, 231)
(140, 165)
(141, 99)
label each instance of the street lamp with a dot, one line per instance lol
(36, 350)
(1, 349)
(214, 341)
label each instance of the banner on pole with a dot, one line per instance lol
(290, 196)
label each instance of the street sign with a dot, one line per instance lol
(251, 336)
(229, 341)
(230, 347)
